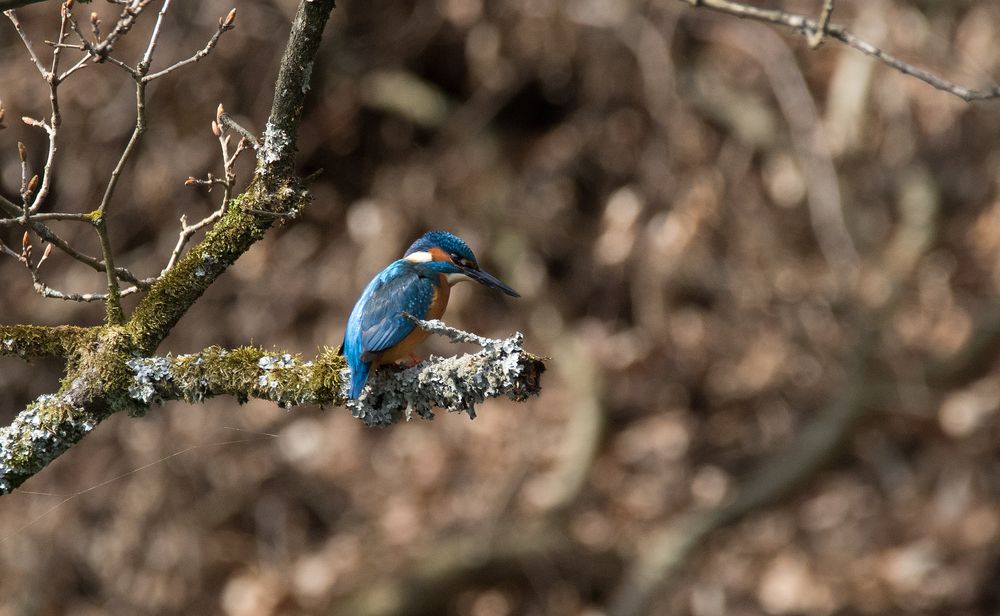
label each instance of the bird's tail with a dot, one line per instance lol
(359, 376)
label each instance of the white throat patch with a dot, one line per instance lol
(419, 257)
(456, 278)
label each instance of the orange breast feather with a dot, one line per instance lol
(436, 311)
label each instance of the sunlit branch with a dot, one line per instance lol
(809, 28)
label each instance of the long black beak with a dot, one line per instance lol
(489, 280)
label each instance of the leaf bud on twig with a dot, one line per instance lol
(45, 255)
(215, 129)
(33, 183)
(227, 22)
(22, 152)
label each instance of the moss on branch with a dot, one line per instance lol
(112, 368)
(31, 341)
(106, 379)
(241, 226)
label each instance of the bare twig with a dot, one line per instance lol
(816, 38)
(130, 12)
(48, 235)
(808, 27)
(227, 182)
(225, 24)
(100, 50)
(61, 216)
(12, 16)
(227, 121)
(147, 57)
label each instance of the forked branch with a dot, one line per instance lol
(814, 30)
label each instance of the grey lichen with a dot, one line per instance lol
(276, 144)
(109, 368)
(38, 435)
(52, 424)
(501, 369)
(147, 372)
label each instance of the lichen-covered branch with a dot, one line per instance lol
(108, 382)
(31, 341)
(501, 368)
(112, 368)
(275, 192)
(290, 90)
(98, 378)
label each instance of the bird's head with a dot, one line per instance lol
(448, 254)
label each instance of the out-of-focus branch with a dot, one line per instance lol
(661, 558)
(6, 5)
(584, 429)
(663, 555)
(826, 212)
(974, 360)
(816, 38)
(455, 564)
(811, 29)
(54, 423)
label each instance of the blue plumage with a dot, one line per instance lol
(376, 324)
(447, 242)
(418, 284)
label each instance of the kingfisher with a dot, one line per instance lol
(419, 284)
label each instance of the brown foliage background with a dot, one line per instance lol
(630, 169)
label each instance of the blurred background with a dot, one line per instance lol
(736, 251)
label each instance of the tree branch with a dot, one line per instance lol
(31, 341)
(813, 30)
(98, 381)
(53, 424)
(292, 85)
(274, 189)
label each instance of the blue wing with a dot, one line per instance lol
(376, 323)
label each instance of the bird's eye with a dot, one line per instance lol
(461, 261)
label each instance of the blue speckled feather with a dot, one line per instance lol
(377, 324)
